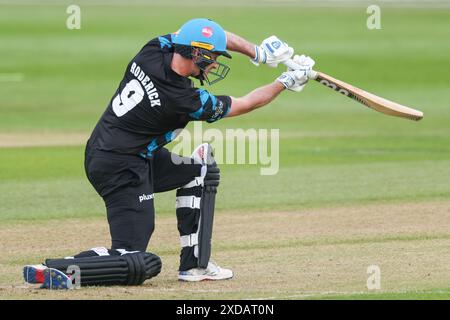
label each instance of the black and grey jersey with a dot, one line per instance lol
(151, 103)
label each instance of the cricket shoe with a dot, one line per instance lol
(34, 273)
(55, 279)
(212, 272)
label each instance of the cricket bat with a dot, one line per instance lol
(366, 98)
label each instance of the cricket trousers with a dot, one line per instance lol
(127, 184)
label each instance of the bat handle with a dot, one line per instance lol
(291, 64)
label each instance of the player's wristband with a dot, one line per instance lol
(260, 56)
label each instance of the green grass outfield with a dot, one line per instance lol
(334, 152)
(413, 295)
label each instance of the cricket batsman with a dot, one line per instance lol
(127, 164)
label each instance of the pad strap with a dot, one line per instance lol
(192, 202)
(189, 240)
(198, 181)
(101, 251)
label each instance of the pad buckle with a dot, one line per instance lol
(189, 240)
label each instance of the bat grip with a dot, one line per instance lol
(291, 64)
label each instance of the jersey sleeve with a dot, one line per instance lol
(210, 107)
(204, 106)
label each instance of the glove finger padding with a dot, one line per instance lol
(272, 51)
(212, 177)
(273, 62)
(299, 87)
(306, 63)
(303, 60)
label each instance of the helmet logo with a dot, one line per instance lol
(207, 32)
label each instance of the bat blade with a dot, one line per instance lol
(366, 98)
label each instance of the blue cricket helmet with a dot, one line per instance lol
(202, 33)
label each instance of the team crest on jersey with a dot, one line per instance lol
(207, 32)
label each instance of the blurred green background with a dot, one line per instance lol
(333, 151)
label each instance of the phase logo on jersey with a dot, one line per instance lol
(218, 113)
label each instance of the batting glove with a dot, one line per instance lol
(306, 64)
(272, 51)
(292, 80)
